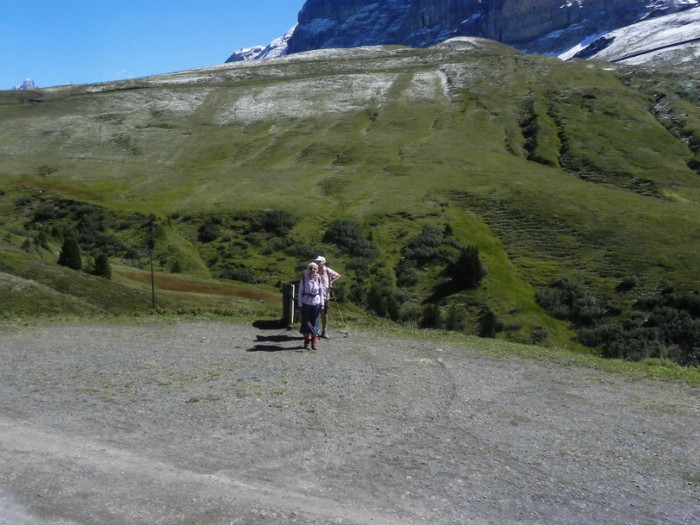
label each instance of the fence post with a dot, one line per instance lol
(288, 303)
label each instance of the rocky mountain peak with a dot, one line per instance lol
(276, 48)
(524, 24)
(26, 85)
(548, 27)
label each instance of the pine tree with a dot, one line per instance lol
(102, 267)
(70, 254)
(467, 271)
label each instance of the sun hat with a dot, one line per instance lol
(320, 259)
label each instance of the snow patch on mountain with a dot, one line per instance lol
(274, 49)
(373, 23)
(672, 39)
(26, 85)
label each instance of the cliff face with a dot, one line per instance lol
(524, 23)
(520, 23)
(347, 23)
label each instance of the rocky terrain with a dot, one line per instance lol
(548, 27)
(419, 23)
(218, 423)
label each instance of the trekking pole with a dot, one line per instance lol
(340, 314)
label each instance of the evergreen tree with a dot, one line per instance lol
(432, 317)
(489, 324)
(467, 271)
(70, 254)
(102, 267)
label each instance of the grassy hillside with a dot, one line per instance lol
(552, 170)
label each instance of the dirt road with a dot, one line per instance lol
(213, 423)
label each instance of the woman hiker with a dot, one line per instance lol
(310, 300)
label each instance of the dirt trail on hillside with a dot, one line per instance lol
(213, 423)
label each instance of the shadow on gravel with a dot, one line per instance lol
(286, 336)
(270, 348)
(269, 325)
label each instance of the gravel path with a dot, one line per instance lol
(198, 422)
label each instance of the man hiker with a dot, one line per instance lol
(328, 277)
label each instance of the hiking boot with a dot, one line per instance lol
(314, 342)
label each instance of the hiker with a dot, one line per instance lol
(328, 277)
(310, 300)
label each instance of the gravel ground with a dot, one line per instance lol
(199, 422)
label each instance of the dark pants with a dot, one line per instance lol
(309, 319)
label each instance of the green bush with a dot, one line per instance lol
(348, 236)
(539, 335)
(568, 301)
(45, 213)
(382, 301)
(209, 231)
(456, 318)
(406, 273)
(663, 332)
(92, 227)
(431, 246)
(238, 273)
(276, 222)
(622, 342)
(627, 283)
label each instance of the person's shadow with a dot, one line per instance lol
(279, 338)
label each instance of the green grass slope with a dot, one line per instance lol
(579, 170)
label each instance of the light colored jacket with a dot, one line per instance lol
(328, 277)
(310, 291)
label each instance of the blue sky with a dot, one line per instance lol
(57, 42)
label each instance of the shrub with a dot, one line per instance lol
(347, 235)
(406, 273)
(238, 273)
(44, 213)
(677, 329)
(568, 301)
(539, 335)
(339, 231)
(622, 341)
(627, 283)
(298, 249)
(275, 222)
(664, 332)
(383, 302)
(456, 318)
(410, 313)
(431, 246)
(209, 231)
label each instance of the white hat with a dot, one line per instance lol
(320, 259)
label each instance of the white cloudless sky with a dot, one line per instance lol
(56, 42)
